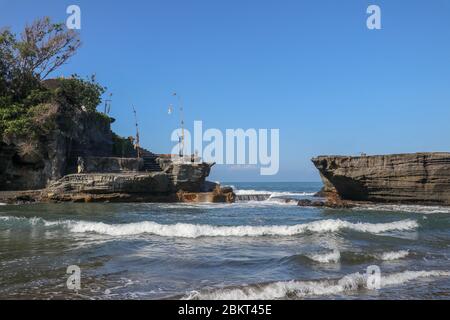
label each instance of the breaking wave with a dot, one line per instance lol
(330, 257)
(186, 230)
(336, 256)
(393, 255)
(303, 289)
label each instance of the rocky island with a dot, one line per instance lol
(55, 145)
(80, 159)
(418, 178)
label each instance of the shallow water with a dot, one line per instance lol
(251, 250)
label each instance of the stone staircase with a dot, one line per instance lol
(149, 158)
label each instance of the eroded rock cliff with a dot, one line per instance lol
(420, 178)
(180, 182)
(32, 162)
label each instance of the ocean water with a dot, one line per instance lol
(268, 249)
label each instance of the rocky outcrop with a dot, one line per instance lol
(28, 162)
(179, 184)
(186, 176)
(219, 194)
(101, 183)
(110, 187)
(420, 178)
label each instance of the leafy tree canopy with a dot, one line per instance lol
(27, 60)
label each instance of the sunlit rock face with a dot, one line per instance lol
(179, 183)
(33, 162)
(186, 176)
(421, 178)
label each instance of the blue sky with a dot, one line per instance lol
(310, 68)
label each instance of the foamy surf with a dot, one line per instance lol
(405, 208)
(393, 255)
(269, 198)
(186, 230)
(32, 221)
(335, 256)
(303, 289)
(272, 193)
(329, 257)
(267, 203)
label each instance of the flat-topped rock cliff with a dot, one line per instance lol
(137, 186)
(419, 178)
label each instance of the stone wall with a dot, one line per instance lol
(111, 164)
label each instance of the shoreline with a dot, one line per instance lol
(222, 195)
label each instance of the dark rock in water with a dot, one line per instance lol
(320, 194)
(20, 197)
(310, 203)
(304, 203)
(420, 178)
(217, 195)
(226, 189)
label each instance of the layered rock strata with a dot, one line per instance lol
(419, 178)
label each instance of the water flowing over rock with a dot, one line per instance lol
(419, 178)
(252, 197)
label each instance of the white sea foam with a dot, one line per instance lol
(301, 289)
(251, 192)
(196, 230)
(272, 193)
(33, 220)
(402, 277)
(393, 255)
(267, 203)
(187, 230)
(3, 204)
(405, 208)
(329, 257)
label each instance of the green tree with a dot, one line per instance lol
(41, 48)
(76, 92)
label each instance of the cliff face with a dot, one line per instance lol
(32, 162)
(186, 176)
(110, 187)
(420, 178)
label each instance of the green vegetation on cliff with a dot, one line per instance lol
(47, 124)
(29, 104)
(36, 112)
